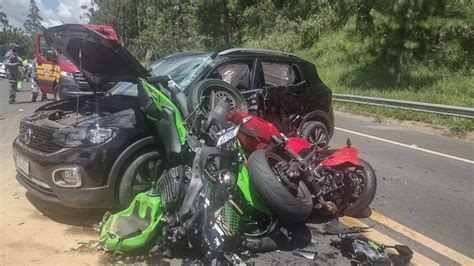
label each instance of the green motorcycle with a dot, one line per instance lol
(208, 201)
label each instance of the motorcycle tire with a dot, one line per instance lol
(367, 195)
(221, 88)
(289, 208)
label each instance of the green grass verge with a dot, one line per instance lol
(456, 127)
(343, 66)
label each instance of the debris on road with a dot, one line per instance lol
(334, 227)
(311, 255)
(363, 251)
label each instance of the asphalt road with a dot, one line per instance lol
(424, 198)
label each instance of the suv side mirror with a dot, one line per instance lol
(51, 56)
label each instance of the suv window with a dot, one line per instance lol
(236, 74)
(124, 88)
(280, 74)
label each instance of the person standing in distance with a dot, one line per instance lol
(12, 64)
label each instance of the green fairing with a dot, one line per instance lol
(160, 98)
(251, 196)
(109, 236)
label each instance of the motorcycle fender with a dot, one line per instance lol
(195, 185)
(346, 155)
(168, 132)
(250, 195)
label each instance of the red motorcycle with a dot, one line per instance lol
(294, 176)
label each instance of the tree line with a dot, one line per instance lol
(24, 36)
(393, 33)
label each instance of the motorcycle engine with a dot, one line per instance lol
(171, 184)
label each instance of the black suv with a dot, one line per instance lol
(100, 152)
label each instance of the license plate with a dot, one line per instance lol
(22, 164)
(227, 135)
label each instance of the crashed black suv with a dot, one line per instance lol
(100, 153)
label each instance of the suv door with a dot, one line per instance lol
(285, 93)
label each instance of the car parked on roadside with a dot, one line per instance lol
(100, 152)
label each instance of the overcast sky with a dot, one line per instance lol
(53, 12)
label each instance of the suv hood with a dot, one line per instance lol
(100, 59)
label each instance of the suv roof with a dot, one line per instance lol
(239, 51)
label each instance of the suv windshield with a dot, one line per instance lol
(183, 69)
(124, 88)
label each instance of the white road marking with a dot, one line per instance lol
(406, 146)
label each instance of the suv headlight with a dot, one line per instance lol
(65, 74)
(80, 136)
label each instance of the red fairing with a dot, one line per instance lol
(255, 134)
(298, 144)
(343, 156)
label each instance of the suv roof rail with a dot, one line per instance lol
(254, 50)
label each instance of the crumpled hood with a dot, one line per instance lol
(100, 59)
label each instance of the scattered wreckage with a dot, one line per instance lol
(232, 180)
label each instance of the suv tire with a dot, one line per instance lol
(316, 133)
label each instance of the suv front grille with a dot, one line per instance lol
(39, 138)
(81, 81)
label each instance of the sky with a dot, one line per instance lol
(53, 12)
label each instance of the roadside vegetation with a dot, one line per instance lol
(420, 50)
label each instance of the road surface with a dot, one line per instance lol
(424, 199)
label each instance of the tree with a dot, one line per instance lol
(221, 21)
(170, 28)
(4, 20)
(32, 24)
(394, 31)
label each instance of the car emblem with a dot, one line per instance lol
(28, 136)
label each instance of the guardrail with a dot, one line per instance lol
(441, 109)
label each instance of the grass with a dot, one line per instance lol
(344, 70)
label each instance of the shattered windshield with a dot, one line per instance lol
(124, 88)
(182, 69)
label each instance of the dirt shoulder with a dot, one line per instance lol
(38, 234)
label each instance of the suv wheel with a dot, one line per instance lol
(316, 133)
(138, 175)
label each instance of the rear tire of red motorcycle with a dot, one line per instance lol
(368, 194)
(281, 201)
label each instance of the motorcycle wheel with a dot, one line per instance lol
(368, 193)
(290, 206)
(201, 94)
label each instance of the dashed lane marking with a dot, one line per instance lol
(406, 145)
(378, 237)
(422, 239)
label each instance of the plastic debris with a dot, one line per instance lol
(311, 255)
